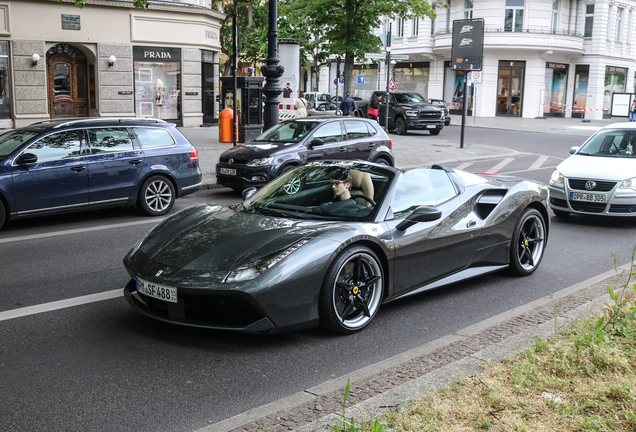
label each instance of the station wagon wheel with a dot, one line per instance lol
(156, 196)
(528, 243)
(400, 126)
(352, 291)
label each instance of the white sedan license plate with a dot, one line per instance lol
(227, 171)
(161, 292)
(575, 196)
(431, 126)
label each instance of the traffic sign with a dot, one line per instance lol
(375, 56)
(400, 56)
(392, 85)
(341, 79)
(360, 79)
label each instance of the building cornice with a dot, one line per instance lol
(167, 6)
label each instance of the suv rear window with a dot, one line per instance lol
(153, 137)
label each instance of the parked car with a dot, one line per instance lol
(316, 99)
(600, 176)
(327, 109)
(294, 255)
(337, 99)
(298, 141)
(440, 103)
(62, 165)
(407, 110)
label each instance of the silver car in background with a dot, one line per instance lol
(600, 176)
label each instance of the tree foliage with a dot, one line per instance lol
(139, 4)
(344, 27)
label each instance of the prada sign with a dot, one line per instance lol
(157, 54)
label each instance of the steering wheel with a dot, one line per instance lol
(293, 186)
(364, 197)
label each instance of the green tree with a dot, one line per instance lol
(252, 31)
(140, 4)
(344, 27)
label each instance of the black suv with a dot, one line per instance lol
(407, 110)
(294, 142)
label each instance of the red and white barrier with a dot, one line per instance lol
(286, 110)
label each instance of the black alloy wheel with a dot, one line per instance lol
(400, 126)
(352, 291)
(528, 243)
(382, 161)
(156, 196)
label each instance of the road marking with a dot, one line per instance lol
(464, 166)
(80, 230)
(538, 163)
(60, 304)
(499, 166)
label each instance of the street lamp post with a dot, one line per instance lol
(338, 59)
(388, 76)
(272, 70)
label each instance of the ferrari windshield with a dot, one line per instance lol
(288, 132)
(338, 191)
(611, 142)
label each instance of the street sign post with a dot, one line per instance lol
(375, 56)
(399, 56)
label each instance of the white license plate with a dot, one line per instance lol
(431, 126)
(227, 171)
(158, 291)
(575, 196)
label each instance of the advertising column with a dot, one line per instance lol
(157, 82)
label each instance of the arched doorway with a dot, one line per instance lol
(66, 68)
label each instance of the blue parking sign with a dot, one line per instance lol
(360, 79)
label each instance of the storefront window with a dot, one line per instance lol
(5, 85)
(615, 79)
(364, 81)
(454, 90)
(412, 77)
(581, 77)
(555, 85)
(157, 82)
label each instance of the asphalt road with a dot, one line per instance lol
(100, 366)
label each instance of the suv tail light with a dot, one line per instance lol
(390, 144)
(194, 155)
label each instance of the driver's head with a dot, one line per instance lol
(341, 187)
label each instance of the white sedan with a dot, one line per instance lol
(600, 176)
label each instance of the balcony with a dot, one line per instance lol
(536, 39)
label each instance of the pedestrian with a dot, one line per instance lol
(301, 106)
(632, 111)
(287, 92)
(374, 106)
(348, 105)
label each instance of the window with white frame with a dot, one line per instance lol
(415, 24)
(629, 26)
(620, 12)
(433, 22)
(513, 20)
(468, 9)
(555, 16)
(609, 22)
(589, 20)
(400, 27)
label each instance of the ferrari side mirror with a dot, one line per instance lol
(420, 214)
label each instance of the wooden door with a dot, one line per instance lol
(68, 91)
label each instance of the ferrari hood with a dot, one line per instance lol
(215, 238)
(596, 167)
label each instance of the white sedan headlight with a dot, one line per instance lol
(629, 184)
(556, 178)
(254, 269)
(260, 162)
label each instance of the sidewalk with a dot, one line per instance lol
(411, 151)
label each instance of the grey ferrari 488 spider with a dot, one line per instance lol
(329, 242)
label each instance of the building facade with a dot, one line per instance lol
(108, 59)
(541, 58)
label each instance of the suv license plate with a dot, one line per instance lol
(161, 292)
(431, 126)
(599, 198)
(227, 171)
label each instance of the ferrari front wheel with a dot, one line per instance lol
(528, 243)
(351, 292)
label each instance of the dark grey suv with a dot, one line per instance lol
(295, 142)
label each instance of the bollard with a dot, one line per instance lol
(225, 126)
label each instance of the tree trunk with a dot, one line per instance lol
(348, 70)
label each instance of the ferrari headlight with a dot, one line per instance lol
(556, 178)
(254, 269)
(412, 113)
(629, 184)
(260, 162)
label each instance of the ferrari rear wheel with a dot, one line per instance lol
(528, 243)
(351, 292)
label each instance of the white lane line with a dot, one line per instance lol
(499, 166)
(80, 230)
(538, 163)
(464, 165)
(61, 304)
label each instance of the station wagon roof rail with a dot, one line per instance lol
(70, 121)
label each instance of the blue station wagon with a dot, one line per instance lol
(74, 164)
